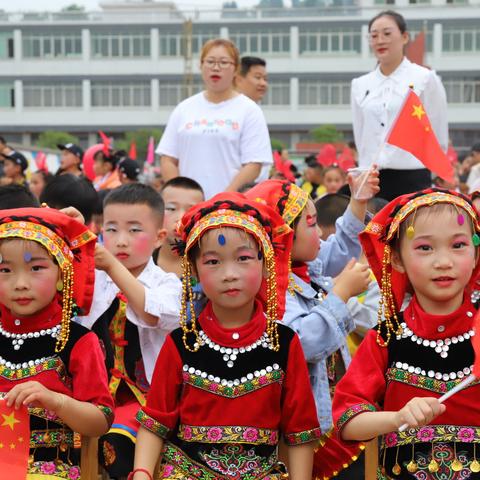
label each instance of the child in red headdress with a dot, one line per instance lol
(426, 245)
(227, 385)
(48, 362)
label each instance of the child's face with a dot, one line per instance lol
(306, 243)
(229, 269)
(37, 184)
(438, 260)
(333, 181)
(69, 160)
(177, 201)
(10, 169)
(131, 233)
(26, 287)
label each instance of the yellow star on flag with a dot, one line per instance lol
(418, 111)
(12, 446)
(9, 420)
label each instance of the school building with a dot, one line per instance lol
(127, 65)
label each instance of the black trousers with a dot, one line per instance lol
(394, 183)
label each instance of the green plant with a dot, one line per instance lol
(277, 144)
(326, 134)
(140, 138)
(52, 138)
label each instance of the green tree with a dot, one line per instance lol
(141, 138)
(277, 144)
(326, 134)
(73, 8)
(270, 4)
(52, 138)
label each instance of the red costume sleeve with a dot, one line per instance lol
(160, 414)
(299, 422)
(362, 388)
(90, 380)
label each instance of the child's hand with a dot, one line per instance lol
(103, 258)
(353, 280)
(34, 393)
(419, 411)
(74, 213)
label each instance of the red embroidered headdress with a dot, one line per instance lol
(72, 246)
(272, 235)
(383, 230)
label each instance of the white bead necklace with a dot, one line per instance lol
(432, 374)
(440, 346)
(18, 339)
(17, 366)
(230, 354)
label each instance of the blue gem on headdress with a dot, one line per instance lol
(27, 256)
(260, 255)
(221, 240)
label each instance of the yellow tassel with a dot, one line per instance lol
(67, 306)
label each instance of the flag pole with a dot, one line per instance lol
(464, 383)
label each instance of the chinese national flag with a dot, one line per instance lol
(132, 153)
(14, 441)
(413, 132)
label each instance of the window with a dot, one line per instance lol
(121, 94)
(458, 39)
(463, 90)
(314, 93)
(52, 95)
(172, 44)
(7, 95)
(268, 41)
(278, 93)
(6, 45)
(171, 93)
(338, 40)
(51, 45)
(121, 44)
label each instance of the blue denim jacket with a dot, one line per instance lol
(324, 325)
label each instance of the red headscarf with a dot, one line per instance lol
(377, 237)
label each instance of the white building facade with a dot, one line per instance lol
(118, 70)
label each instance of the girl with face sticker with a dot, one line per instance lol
(229, 384)
(424, 245)
(48, 363)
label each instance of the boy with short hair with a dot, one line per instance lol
(14, 166)
(179, 195)
(252, 79)
(71, 159)
(135, 305)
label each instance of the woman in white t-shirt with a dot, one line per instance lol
(218, 137)
(377, 98)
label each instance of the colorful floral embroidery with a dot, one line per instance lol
(421, 381)
(108, 412)
(61, 470)
(41, 234)
(49, 415)
(228, 434)
(54, 438)
(353, 411)
(152, 424)
(303, 437)
(109, 454)
(433, 433)
(52, 363)
(223, 389)
(297, 199)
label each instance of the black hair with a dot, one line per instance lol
(330, 207)
(375, 204)
(137, 194)
(47, 176)
(101, 195)
(68, 190)
(311, 161)
(16, 196)
(396, 17)
(2, 140)
(246, 63)
(183, 182)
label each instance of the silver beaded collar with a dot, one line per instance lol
(18, 339)
(231, 354)
(440, 346)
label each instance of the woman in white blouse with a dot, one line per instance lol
(217, 137)
(377, 98)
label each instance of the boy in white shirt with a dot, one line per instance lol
(135, 305)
